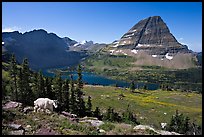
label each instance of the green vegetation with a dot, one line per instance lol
(181, 124)
(122, 68)
(149, 106)
(117, 105)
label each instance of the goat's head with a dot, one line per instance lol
(55, 102)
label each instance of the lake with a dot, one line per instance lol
(93, 79)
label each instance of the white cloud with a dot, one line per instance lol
(11, 29)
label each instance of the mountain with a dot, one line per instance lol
(151, 43)
(199, 58)
(86, 46)
(153, 35)
(44, 50)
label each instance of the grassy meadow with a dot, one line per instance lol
(151, 107)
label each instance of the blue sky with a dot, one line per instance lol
(103, 22)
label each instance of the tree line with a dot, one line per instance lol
(26, 86)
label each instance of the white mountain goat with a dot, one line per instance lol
(44, 104)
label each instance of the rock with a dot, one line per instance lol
(17, 132)
(89, 118)
(69, 114)
(101, 131)
(160, 132)
(143, 127)
(28, 127)
(95, 123)
(12, 104)
(15, 126)
(27, 109)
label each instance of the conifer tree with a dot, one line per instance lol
(13, 71)
(41, 86)
(28, 96)
(73, 105)
(35, 84)
(57, 85)
(89, 107)
(50, 90)
(108, 114)
(66, 95)
(97, 113)
(132, 86)
(79, 98)
(20, 84)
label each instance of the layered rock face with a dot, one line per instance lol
(153, 36)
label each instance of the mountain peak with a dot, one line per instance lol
(150, 32)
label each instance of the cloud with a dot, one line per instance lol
(11, 29)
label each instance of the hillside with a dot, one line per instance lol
(151, 108)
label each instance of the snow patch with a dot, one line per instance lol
(115, 45)
(129, 35)
(134, 51)
(143, 45)
(168, 57)
(154, 56)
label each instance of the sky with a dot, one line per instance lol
(103, 22)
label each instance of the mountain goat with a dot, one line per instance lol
(44, 104)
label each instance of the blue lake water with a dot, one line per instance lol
(93, 79)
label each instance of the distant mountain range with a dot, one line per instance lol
(150, 41)
(44, 50)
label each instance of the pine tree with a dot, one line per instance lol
(41, 86)
(108, 114)
(73, 105)
(79, 98)
(66, 95)
(89, 107)
(35, 84)
(132, 86)
(79, 80)
(57, 86)
(20, 84)
(13, 71)
(97, 113)
(28, 96)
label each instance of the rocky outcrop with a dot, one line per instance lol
(153, 36)
(159, 132)
(12, 105)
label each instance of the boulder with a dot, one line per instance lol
(12, 104)
(160, 132)
(95, 123)
(27, 109)
(15, 126)
(17, 132)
